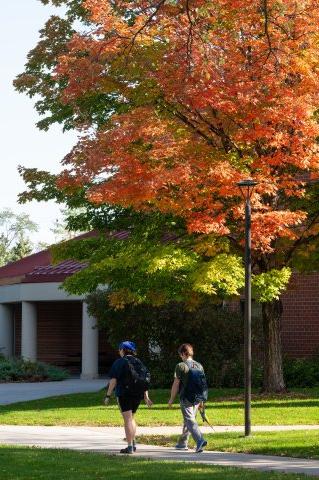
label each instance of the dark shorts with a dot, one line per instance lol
(129, 403)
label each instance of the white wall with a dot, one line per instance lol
(35, 292)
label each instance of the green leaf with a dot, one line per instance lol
(269, 285)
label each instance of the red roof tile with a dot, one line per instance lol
(67, 267)
(53, 273)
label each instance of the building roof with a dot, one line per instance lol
(53, 273)
(39, 268)
(15, 272)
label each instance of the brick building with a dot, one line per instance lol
(300, 319)
(39, 320)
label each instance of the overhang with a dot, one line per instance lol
(36, 292)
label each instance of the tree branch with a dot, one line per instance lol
(157, 7)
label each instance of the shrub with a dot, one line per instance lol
(18, 370)
(216, 333)
(301, 372)
(234, 374)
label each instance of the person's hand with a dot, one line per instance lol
(148, 402)
(170, 403)
(106, 400)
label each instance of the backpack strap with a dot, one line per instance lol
(192, 362)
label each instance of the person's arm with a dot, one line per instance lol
(110, 388)
(174, 391)
(147, 399)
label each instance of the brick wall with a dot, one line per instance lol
(300, 320)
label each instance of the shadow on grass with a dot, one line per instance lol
(35, 464)
(267, 404)
(288, 444)
(160, 397)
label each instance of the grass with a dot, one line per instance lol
(301, 444)
(224, 408)
(21, 463)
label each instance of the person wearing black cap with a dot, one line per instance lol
(130, 379)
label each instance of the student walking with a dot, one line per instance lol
(190, 382)
(131, 379)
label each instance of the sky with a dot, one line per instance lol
(21, 142)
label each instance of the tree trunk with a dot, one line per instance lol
(273, 380)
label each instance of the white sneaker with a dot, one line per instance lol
(181, 447)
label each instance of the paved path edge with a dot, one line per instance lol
(109, 441)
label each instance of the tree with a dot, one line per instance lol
(21, 249)
(61, 229)
(14, 241)
(180, 100)
(39, 79)
(149, 258)
(145, 257)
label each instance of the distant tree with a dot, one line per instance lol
(61, 229)
(14, 240)
(21, 249)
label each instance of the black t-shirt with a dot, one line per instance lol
(119, 370)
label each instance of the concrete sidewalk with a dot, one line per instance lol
(110, 440)
(22, 392)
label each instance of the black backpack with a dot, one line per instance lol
(196, 389)
(137, 378)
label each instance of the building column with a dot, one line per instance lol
(6, 330)
(90, 345)
(29, 331)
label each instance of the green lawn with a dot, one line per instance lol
(19, 463)
(224, 408)
(304, 444)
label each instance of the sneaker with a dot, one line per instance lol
(201, 445)
(127, 450)
(134, 444)
(181, 447)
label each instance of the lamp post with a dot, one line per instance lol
(246, 188)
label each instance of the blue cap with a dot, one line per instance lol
(128, 345)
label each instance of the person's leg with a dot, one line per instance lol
(129, 431)
(129, 426)
(129, 408)
(127, 414)
(202, 442)
(183, 439)
(189, 413)
(134, 432)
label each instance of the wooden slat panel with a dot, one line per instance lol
(60, 336)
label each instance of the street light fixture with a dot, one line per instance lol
(246, 187)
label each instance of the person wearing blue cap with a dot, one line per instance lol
(130, 379)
